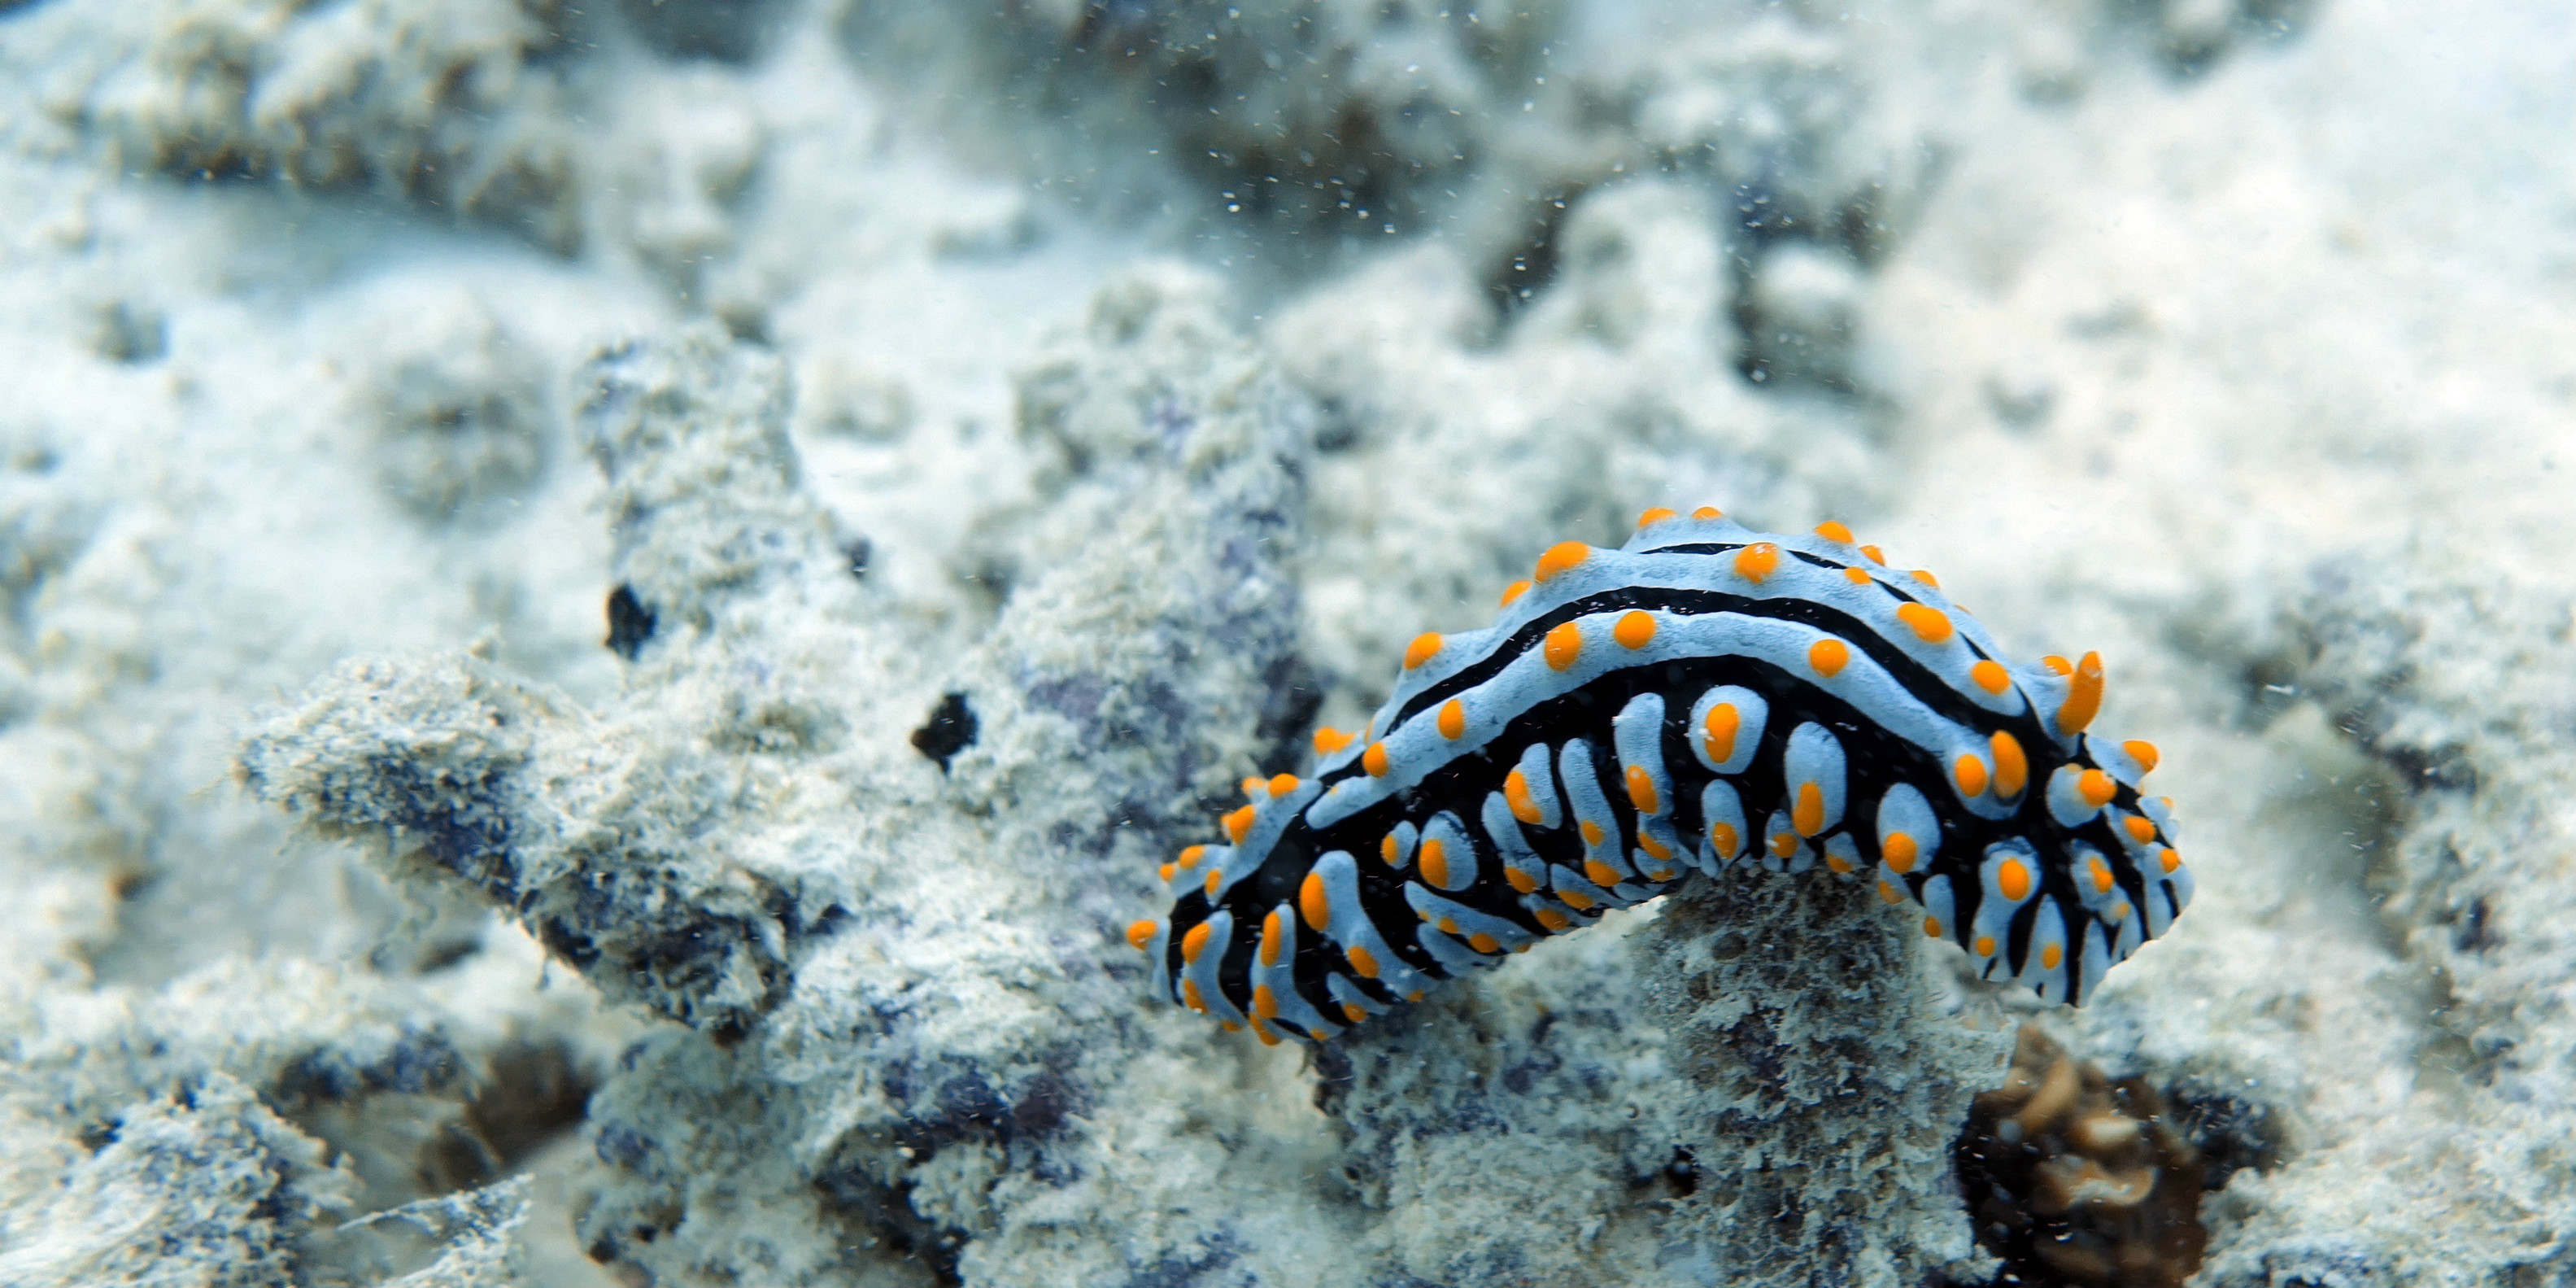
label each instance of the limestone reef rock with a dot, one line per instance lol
(923, 1025)
(607, 610)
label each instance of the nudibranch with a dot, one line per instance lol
(1703, 697)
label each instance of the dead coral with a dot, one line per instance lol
(2077, 1180)
(450, 105)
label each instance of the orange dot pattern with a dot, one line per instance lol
(1628, 729)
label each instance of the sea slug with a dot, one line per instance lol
(1702, 697)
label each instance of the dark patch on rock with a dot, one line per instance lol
(129, 333)
(951, 729)
(884, 1208)
(2472, 934)
(724, 31)
(532, 1094)
(967, 1106)
(459, 823)
(1333, 1078)
(1530, 266)
(2321, 1266)
(619, 1145)
(419, 1062)
(2230, 1133)
(1683, 1172)
(630, 623)
(1214, 1255)
(1291, 694)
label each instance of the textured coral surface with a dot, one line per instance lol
(606, 611)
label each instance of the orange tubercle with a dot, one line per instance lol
(1930, 624)
(2012, 878)
(1563, 646)
(1140, 934)
(1642, 793)
(1560, 557)
(2012, 768)
(1635, 630)
(1757, 561)
(2096, 787)
(1424, 647)
(1807, 815)
(1720, 729)
(2083, 696)
(1829, 657)
(1900, 852)
(1722, 838)
(1970, 774)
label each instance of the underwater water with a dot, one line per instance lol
(621, 617)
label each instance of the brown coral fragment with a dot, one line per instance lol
(2076, 1180)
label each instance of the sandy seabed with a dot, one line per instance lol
(491, 489)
